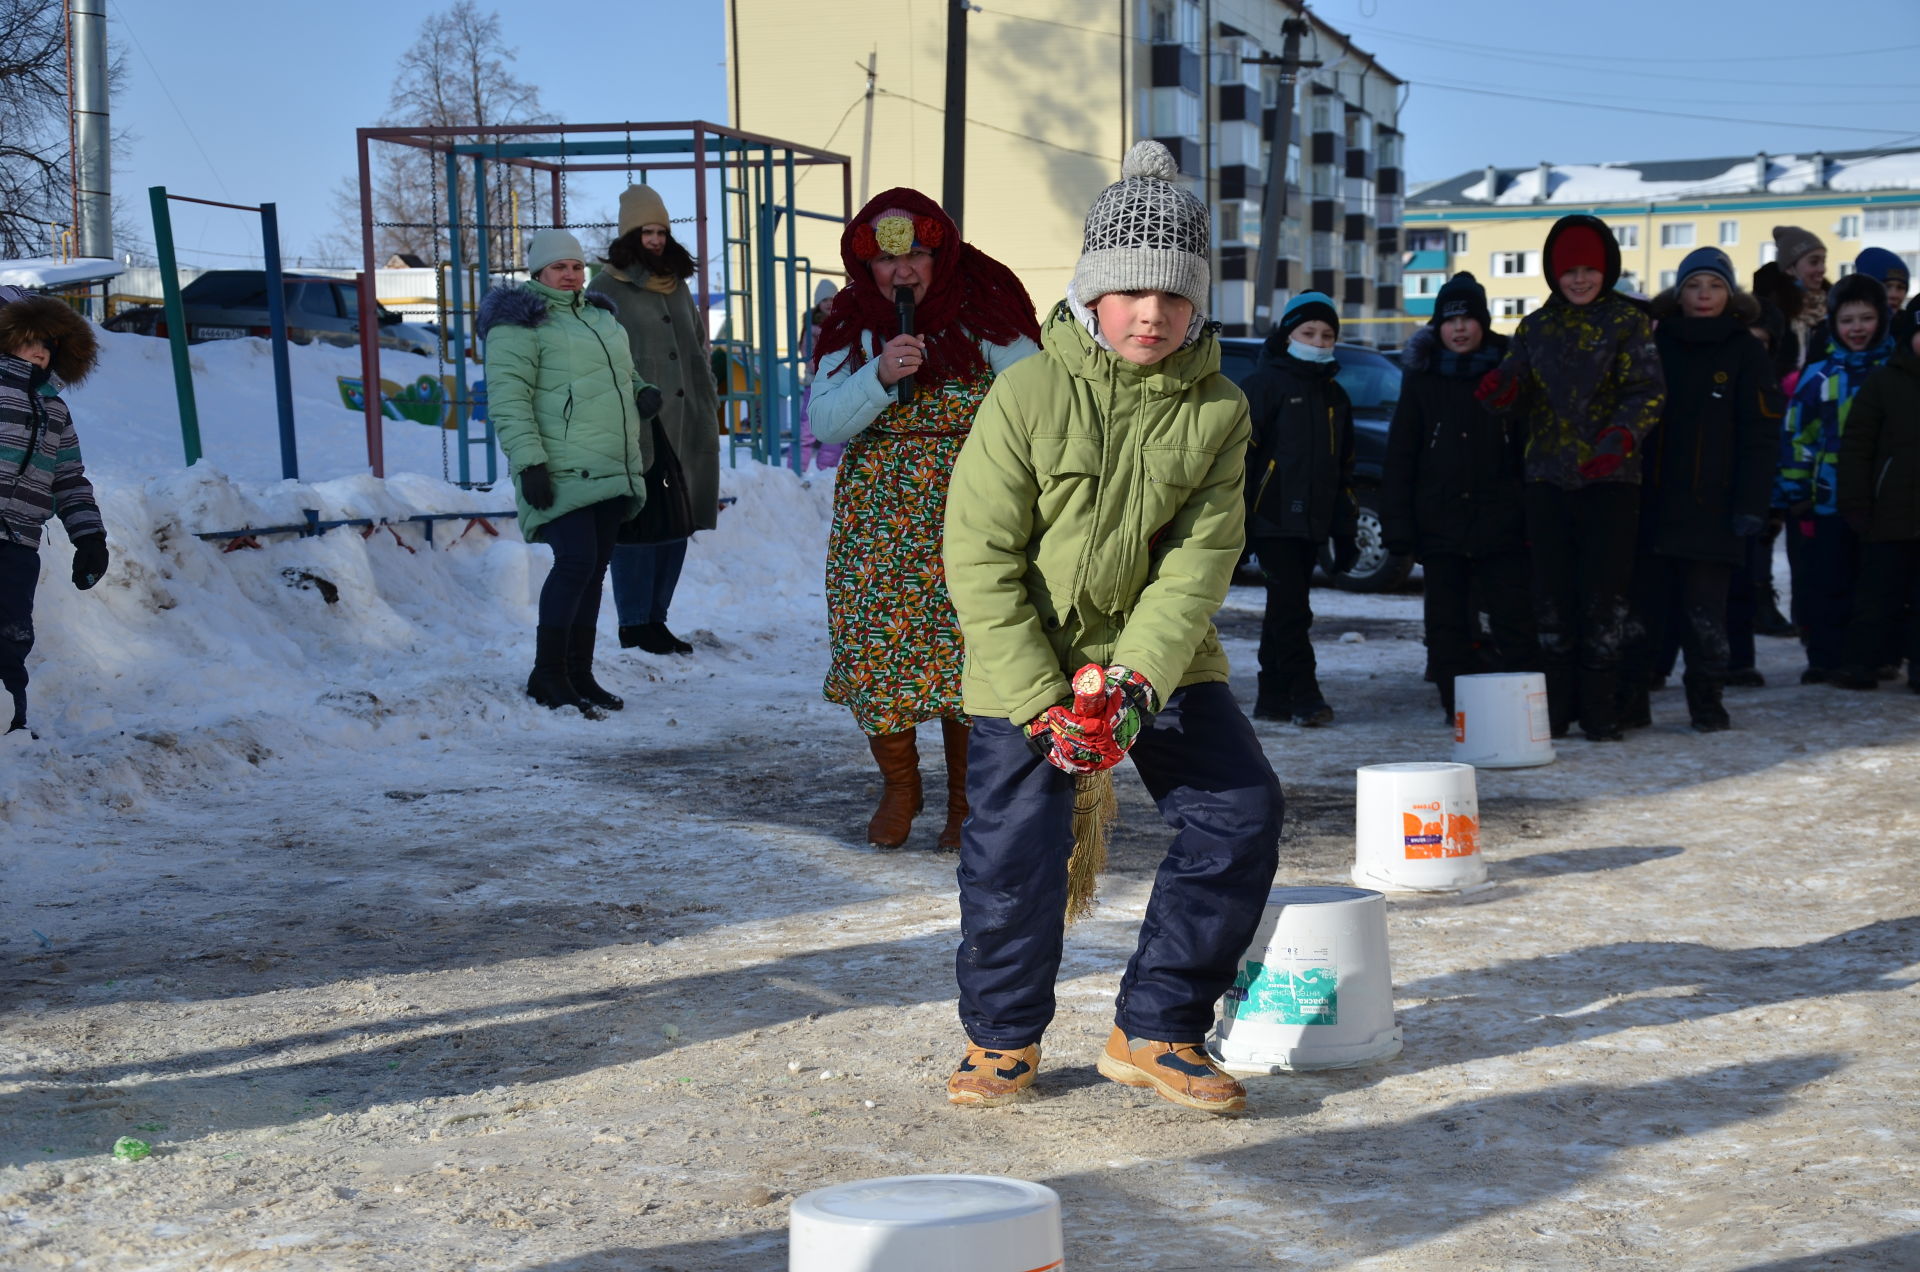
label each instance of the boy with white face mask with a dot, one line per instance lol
(1299, 496)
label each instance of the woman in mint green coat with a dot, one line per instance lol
(567, 407)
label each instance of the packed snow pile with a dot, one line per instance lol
(190, 662)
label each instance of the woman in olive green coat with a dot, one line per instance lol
(646, 279)
(566, 406)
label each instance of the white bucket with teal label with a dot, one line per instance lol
(1416, 828)
(1500, 720)
(928, 1223)
(1314, 990)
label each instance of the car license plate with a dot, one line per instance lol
(220, 333)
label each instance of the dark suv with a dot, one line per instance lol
(228, 304)
(1372, 381)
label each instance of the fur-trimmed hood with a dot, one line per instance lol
(1743, 305)
(70, 336)
(1424, 348)
(522, 306)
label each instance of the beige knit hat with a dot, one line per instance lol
(1790, 243)
(641, 205)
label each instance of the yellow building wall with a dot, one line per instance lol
(1526, 231)
(1045, 109)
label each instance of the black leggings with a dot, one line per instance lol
(582, 543)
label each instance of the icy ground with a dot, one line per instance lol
(396, 970)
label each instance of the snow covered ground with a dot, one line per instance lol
(396, 970)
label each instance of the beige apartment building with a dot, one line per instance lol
(1057, 90)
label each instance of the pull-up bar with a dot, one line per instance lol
(177, 323)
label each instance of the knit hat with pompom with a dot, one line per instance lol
(1146, 232)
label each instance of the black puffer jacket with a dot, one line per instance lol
(1880, 451)
(1453, 474)
(1711, 457)
(1300, 459)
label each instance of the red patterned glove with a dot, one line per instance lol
(1495, 392)
(1610, 450)
(1110, 707)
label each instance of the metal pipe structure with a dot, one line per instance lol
(92, 136)
(369, 320)
(176, 324)
(277, 324)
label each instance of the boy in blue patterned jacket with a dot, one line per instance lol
(1823, 552)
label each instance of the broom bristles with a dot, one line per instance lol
(1094, 810)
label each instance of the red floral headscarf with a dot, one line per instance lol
(970, 296)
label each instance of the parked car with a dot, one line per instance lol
(1372, 381)
(230, 304)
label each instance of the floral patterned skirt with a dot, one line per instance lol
(895, 641)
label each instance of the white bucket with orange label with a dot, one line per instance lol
(930, 1223)
(1500, 720)
(1417, 828)
(1314, 989)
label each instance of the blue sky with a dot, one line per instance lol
(266, 111)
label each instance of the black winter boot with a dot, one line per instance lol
(580, 671)
(631, 635)
(1272, 703)
(1704, 706)
(549, 685)
(1767, 618)
(1635, 710)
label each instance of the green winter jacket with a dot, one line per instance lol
(560, 387)
(1095, 515)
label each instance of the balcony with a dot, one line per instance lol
(1176, 66)
(1238, 102)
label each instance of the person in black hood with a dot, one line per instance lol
(1451, 494)
(1707, 472)
(1582, 379)
(1299, 496)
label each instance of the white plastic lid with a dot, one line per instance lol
(935, 1200)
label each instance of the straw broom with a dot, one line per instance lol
(1094, 807)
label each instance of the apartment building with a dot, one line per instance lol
(1493, 221)
(1057, 90)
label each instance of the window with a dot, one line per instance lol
(1457, 242)
(1423, 285)
(1729, 233)
(1627, 235)
(1679, 234)
(1629, 282)
(1668, 278)
(1515, 264)
(1849, 227)
(1511, 306)
(1891, 219)
(1356, 258)
(1426, 240)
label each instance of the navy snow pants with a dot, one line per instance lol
(1206, 772)
(19, 578)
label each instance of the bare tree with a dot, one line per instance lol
(458, 72)
(35, 182)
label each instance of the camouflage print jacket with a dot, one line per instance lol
(1575, 371)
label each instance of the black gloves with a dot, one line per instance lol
(1346, 551)
(648, 400)
(1746, 525)
(536, 487)
(89, 560)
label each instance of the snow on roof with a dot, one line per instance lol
(1662, 180)
(49, 271)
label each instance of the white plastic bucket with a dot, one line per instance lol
(1500, 720)
(1314, 990)
(1417, 828)
(929, 1223)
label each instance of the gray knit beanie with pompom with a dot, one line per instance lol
(1146, 233)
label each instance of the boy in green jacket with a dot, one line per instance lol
(1093, 523)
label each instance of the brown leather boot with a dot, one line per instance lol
(899, 761)
(953, 734)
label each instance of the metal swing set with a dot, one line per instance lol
(764, 283)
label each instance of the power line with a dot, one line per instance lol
(176, 105)
(828, 143)
(1560, 57)
(980, 123)
(1641, 110)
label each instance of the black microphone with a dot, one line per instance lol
(903, 309)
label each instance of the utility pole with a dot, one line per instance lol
(1273, 205)
(953, 182)
(866, 136)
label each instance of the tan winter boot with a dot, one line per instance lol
(953, 735)
(900, 798)
(988, 1078)
(1177, 1071)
